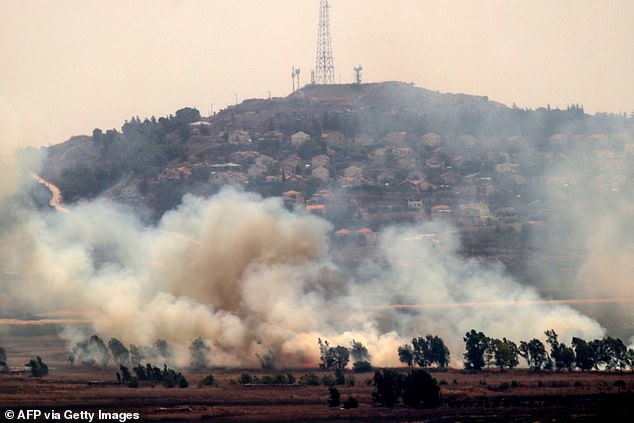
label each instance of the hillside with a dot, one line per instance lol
(368, 156)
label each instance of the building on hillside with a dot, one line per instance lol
(317, 209)
(240, 137)
(299, 138)
(228, 178)
(321, 173)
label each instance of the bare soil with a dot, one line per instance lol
(518, 395)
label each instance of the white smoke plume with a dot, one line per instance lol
(252, 278)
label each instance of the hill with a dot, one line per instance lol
(368, 156)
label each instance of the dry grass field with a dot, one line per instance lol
(517, 395)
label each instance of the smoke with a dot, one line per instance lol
(586, 244)
(253, 279)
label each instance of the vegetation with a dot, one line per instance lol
(90, 352)
(208, 380)
(120, 353)
(332, 357)
(199, 351)
(3, 359)
(38, 367)
(167, 377)
(416, 389)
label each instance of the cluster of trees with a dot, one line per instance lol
(166, 377)
(425, 352)
(608, 353)
(417, 388)
(94, 351)
(38, 367)
(338, 357)
(142, 147)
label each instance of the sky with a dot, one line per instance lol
(69, 66)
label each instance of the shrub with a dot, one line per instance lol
(327, 380)
(388, 386)
(351, 402)
(420, 388)
(335, 397)
(361, 366)
(340, 377)
(208, 380)
(134, 382)
(309, 379)
(247, 379)
(38, 367)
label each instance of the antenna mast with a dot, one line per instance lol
(324, 64)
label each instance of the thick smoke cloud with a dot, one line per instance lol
(586, 243)
(252, 278)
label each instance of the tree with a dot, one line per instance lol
(337, 357)
(199, 351)
(429, 351)
(406, 355)
(475, 345)
(335, 397)
(629, 358)
(416, 389)
(92, 351)
(584, 358)
(120, 353)
(359, 352)
(388, 385)
(505, 353)
(615, 353)
(38, 367)
(161, 350)
(420, 388)
(3, 359)
(360, 357)
(534, 353)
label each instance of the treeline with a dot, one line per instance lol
(142, 148)
(95, 352)
(482, 351)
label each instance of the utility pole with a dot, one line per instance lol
(324, 63)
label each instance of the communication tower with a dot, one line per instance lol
(357, 74)
(324, 64)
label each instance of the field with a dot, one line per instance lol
(517, 395)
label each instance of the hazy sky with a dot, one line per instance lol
(69, 66)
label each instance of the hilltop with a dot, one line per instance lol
(365, 157)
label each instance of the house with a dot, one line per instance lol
(257, 170)
(431, 140)
(292, 198)
(239, 137)
(320, 160)
(272, 136)
(364, 139)
(317, 209)
(415, 204)
(474, 212)
(335, 138)
(289, 164)
(228, 178)
(353, 171)
(299, 138)
(200, 127)
(440, 211)
(368, 234)
(321, 173)
(397, 139)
